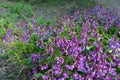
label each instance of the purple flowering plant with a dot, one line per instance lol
(86, 46)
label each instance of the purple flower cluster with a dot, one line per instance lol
(89, 60)
(26, 31)
(81, 50)
(97, 16)
(9, 36)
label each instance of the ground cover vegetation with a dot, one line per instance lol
(83, 46)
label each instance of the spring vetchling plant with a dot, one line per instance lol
(84, 46)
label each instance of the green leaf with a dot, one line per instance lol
(38, 75)
(26, 62)
(92, 40)
(118, 70)
(109, 59)
(81, 73)
(92, 48)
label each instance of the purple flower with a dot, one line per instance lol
(35, 29)
(81, 67)
(66, 17)
(93, 34)
(112, 71)
(84, 35)
(94, 24)
(118, 65)
(65, 75)
(106, 27)
(80, 63)
(76, 76)
(26, 26)
(108, 78)
(64, 51)
(34, 56)
(27, 31)
(49, 49)
(4, 38)
(61, 78)
(45, 77)
(34, 70)
(70, 67)
(79, 49)
(57, 70)
(72, 24)
(41, 44)
(76, 14)
(88, 76)
(9, 32)
(60, 60)
(27, 38)
(44, 67)
(81, 78)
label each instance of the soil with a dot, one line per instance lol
(10, 71)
